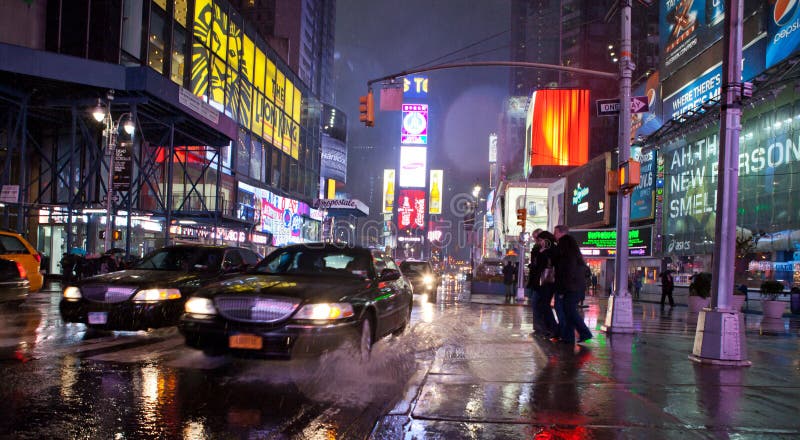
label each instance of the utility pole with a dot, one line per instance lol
(719, 337)
(619, 314)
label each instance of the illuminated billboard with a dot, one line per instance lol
(782, 25)
(388, 191)
(586, 201)
(646, 123)
(411, 209)
(533, 200)
(642, 197)
(437, 184)
(413, 167)
(414, 130)
(603, 242)
(415, 86)
(557, 128)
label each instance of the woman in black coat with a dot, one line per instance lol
(544, 323)
(571, 285)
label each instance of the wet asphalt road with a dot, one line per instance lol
(467, 368)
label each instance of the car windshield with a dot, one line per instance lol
(183, 258)
(415, 267)
(309, 261)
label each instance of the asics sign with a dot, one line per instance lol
(783, 30)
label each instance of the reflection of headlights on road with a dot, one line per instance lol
(428, 280)
(156, 295)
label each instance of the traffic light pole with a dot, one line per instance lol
(719, 337)
(619, 314)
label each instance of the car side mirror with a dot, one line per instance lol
(389, 275)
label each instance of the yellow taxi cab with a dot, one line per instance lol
(15, 247)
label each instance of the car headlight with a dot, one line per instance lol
(325, 311)
(72, 292)
(200, 306)
(427, 279)
(156, 295)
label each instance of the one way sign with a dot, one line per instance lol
(609, 107)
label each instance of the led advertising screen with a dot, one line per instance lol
(437, 184)
(586, 201)
(334, 159)
(642, 197)
(414, 129)
(534, 200)
(413, 167)
(783, 24)
(557, 128)
(686, 28)
(411, 209)
(643, 124)
(388, 191)
(768, 197)
(603, 242)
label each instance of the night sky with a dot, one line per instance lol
(378, 38)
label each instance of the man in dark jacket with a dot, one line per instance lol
(570, 285)
(544, 324)
(509, 276)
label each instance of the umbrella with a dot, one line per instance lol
(78, 251)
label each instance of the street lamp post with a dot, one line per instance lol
(103, 114)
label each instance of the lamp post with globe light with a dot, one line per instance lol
(102, 114)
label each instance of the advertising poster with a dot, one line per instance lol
(534, 200)
(414, 130)
(643, 124)
(123, 168)
(413, 167)
(437, 183)
(411, 209)
(687, 28)
(783, 30)
(557, 127)
(642, 197)
(279, 216)
(334, 159)
(388, 191)
(586, 201)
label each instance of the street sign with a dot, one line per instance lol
(609, 107)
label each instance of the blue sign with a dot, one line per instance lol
(643, 124)
(783, 30)
(415, 87)
(642, 196)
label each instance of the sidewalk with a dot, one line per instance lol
(491, 380)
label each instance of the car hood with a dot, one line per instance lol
(319, 288)
(141, 278)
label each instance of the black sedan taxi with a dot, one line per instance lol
(152, 294)
(422, 277)
(301, 300)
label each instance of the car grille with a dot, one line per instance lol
(107, 294)
(255, 308)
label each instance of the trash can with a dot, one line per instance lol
(795, 300)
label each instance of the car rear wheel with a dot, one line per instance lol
(365, 340)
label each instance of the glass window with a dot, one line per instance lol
(249, 257)
(232, 260)
(276, 168)
(243, 153)
(178, 59)
(132, 27)
(180, 12)
(156, 40)
(256, 158)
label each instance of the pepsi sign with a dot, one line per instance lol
(783, 30)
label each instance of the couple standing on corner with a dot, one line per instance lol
(557, 270)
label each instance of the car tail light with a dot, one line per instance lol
(38, 257)
(21, 269)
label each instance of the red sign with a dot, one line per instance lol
(411, 209)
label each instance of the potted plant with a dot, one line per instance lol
(770, 290)
(699, 291)
(739, 297)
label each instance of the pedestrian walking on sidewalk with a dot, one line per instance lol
(544, 324)
(667, 286)
(509, 276)
(571, 284)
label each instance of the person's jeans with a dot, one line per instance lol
(558, 306)
(543, 320)
(509, 291)
(573, 320)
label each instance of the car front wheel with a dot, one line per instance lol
(365, 341)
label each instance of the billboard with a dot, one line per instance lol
(437, 184)
(492, 148)
(643, 124)
(586, 201)
(557, 128)
(388, 191)
(334, 159)
(603, 242)
(411, 209)
(783, 24)
(687, 28)
(277, 215)
(534, 200)
(415, 86)
(642, 197)
(413, 167)
(414, 129)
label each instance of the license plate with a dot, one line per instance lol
(98, 317)
(245, 341)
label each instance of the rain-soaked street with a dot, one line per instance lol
(467, 368)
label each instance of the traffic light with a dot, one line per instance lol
(521, 217)
(366, 108)
(629, 175)
(116, 235)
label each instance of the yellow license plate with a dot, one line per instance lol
(245, 341)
